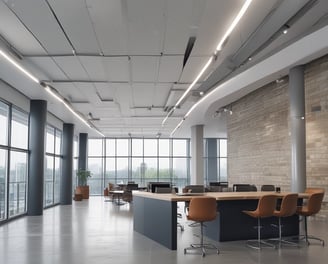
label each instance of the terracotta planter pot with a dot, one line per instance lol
(84, 190)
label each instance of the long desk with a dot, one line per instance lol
(155, 216)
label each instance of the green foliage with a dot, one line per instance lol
(82, 177)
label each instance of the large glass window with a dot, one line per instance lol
(222, 159)
(17, 183)
(95, 181)
(3, 183)
(13, 161)
(19, 129)
(4, 111)
(215, 160)
(139, 160)
(122, 147)
(52, 166)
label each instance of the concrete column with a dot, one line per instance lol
(197, 151)
(83, 148)
(66, 180)
(37, 125)
(297, 129)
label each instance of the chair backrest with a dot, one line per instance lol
(202, 209)
(314, 190)
(194, 188)
(268, 188)
(163, 190)
(314, 202)
(288, 205)
(266, 205)
(242, 188)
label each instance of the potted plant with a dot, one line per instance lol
(82, 182)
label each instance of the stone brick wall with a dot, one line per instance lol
(258, 133)
(258, 140)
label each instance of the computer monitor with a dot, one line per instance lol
(153, 185)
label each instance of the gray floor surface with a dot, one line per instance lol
(95, 231)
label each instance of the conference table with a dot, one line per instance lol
(155, 216)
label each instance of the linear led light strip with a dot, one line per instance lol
(47, 88)
(218, 48)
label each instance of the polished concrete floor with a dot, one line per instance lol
(95, 231)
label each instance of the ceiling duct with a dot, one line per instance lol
(286, 14)
(288, 11)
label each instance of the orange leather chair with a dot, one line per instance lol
(288, 207)
(265, 208)
(312, 207)
(202, 209)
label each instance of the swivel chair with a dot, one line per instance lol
(312, 207)
(288, 207)
(202, 209)
(265, 208)
(268, 188)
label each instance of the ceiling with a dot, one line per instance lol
(124, 64)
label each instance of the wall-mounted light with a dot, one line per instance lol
(285, 29)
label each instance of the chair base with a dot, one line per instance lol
(259, 244)
(202, 248)
(307, 239)
(284, 242)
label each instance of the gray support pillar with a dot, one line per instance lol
(297, 129)
(83, 143)
(37, 124)
(212, 162)
(67, 165)
(197, 152)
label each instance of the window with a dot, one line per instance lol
(3, 183)
(4, 111)
(139, 160)
(19, 129)
(13, 161)
(215, 160)
(52, 172)
(17, 183)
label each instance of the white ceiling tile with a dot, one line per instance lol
(161, 94)
(95, 67)
(16, 34)
(116, 69)
(110, 23)
(74, 17)
(48, 32)
(49, 67)
(70, 92)
(144, 69)
(72, 67)
(146, 26)
(143, 94)
(192, 68)
(216, 19)
(106, 91)
(178, 26)
(170, 68)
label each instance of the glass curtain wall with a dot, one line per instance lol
(13, 161)
(215, 160)
(75, 161)
(138, 160)
(52, 166)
